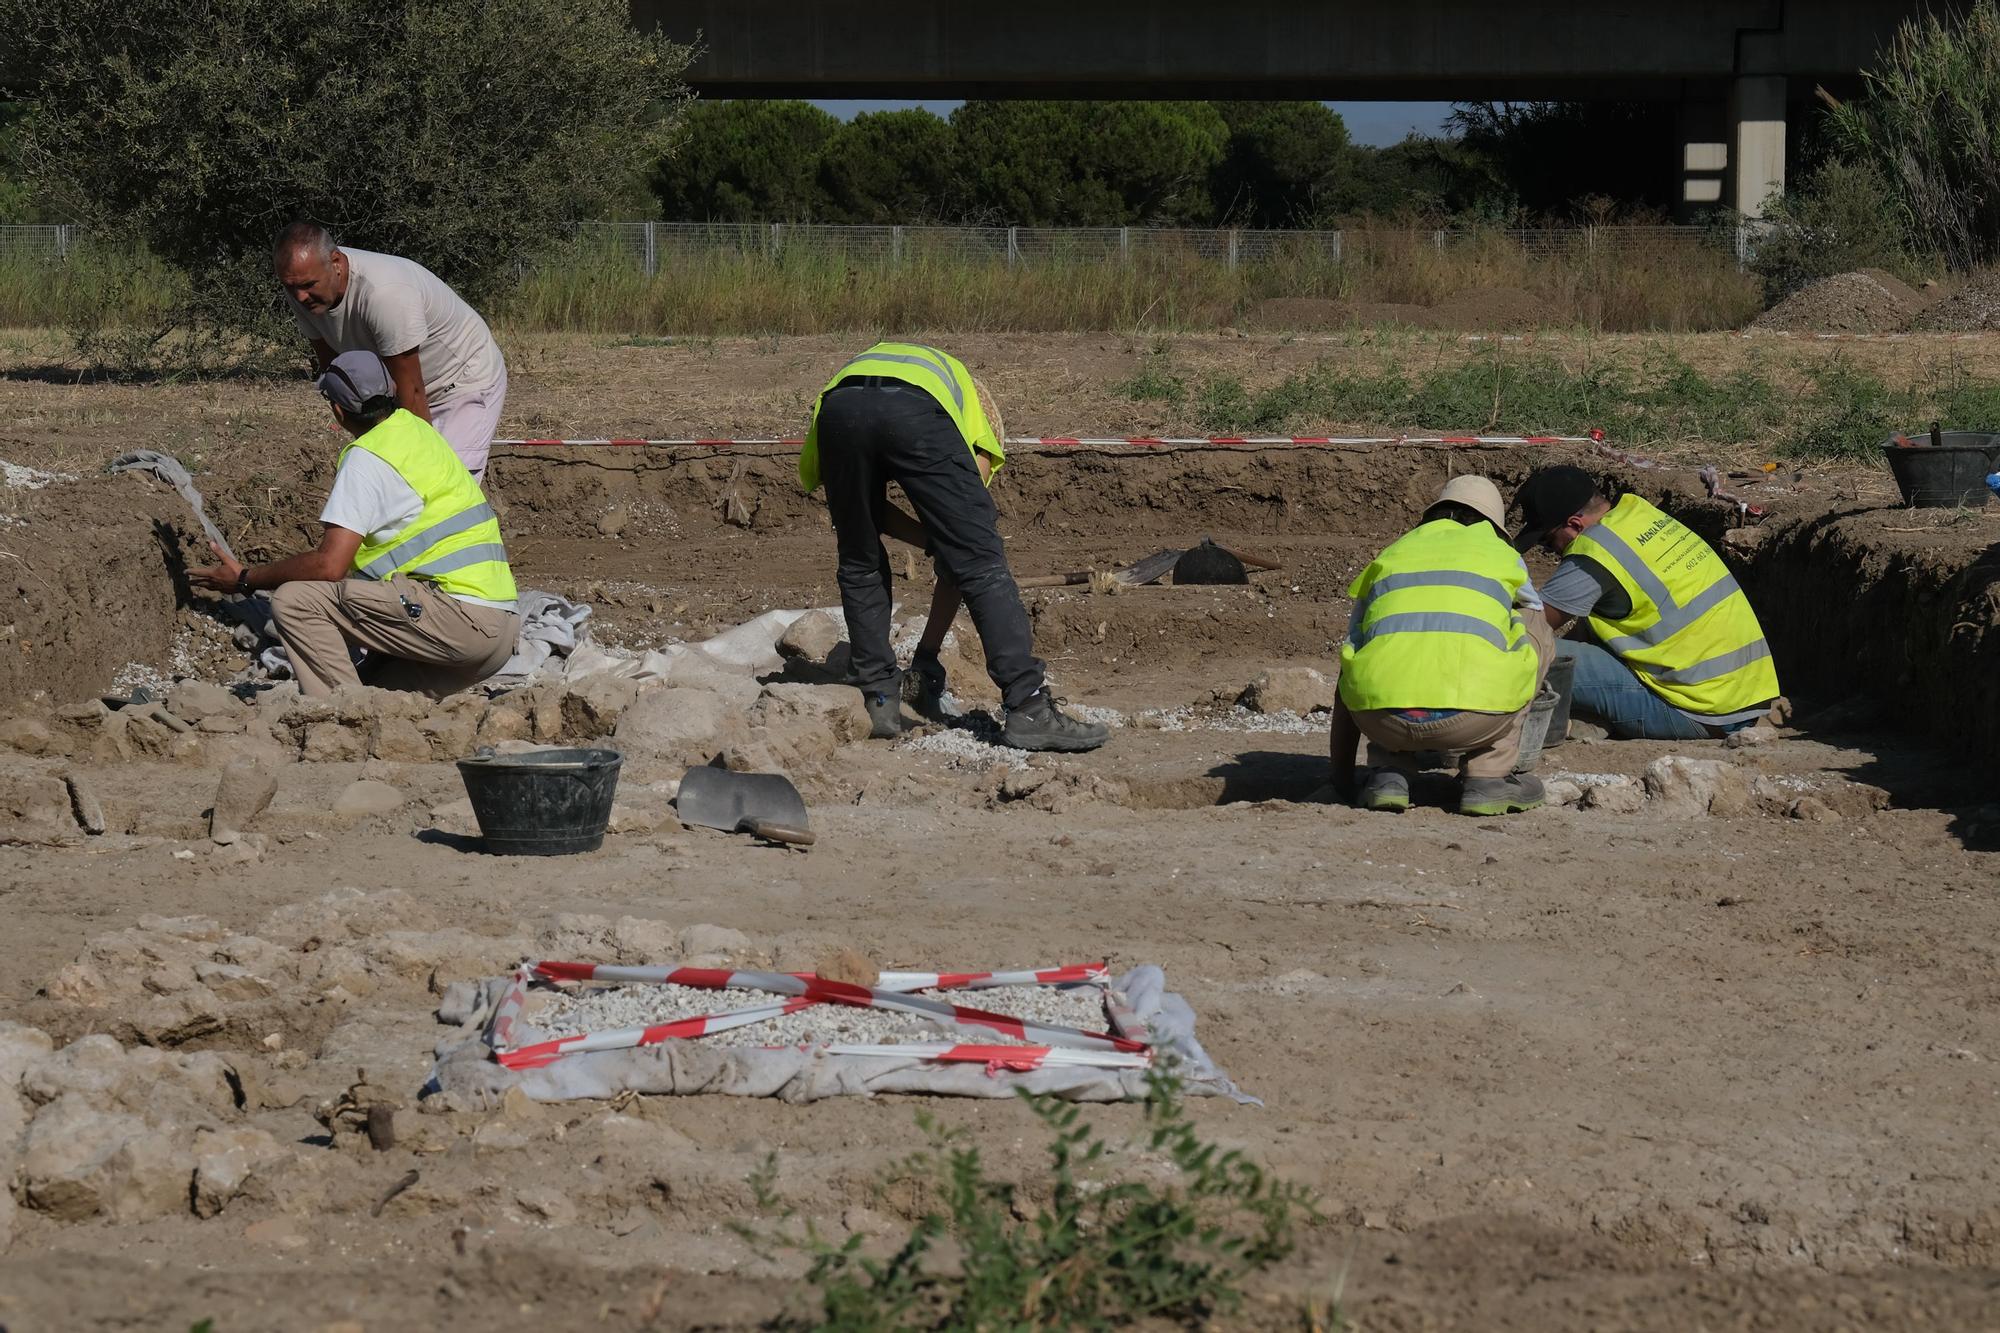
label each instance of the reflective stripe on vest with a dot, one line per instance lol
(454, 542)
(1690, 635)
(936, 373)
(1434, 625)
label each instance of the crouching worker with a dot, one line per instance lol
(1440, 657)
(1676, 651)
(911, 414)
(411, 567)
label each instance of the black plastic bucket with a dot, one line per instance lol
(1948, 475)
(542, 802)
(1561, 679)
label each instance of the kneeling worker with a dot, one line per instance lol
(911, 414)
(1679, 653)
(411, 567)
(1438, 658)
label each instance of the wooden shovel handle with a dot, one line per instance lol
(1068, 580)
(1252, 560)
(789, 834)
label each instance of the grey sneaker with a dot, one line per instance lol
(885, 714)
(1386, 790)
(1040, 725)
(1500, 796)
(924, 685)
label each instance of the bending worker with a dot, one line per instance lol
(1446, 647)
(447, 369)
(411, 567)
(1679, 653)
(911, 414)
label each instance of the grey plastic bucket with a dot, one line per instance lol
(1535, 728)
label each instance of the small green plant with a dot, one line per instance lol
(1154, 383)
(1107, 1248)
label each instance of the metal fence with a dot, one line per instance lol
(651, 244)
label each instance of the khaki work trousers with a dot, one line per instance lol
(451, 646)
(1491, 742)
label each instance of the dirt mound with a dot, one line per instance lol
(1492, 310)
(1973, 308)
(1867, 301)
(1312, 314)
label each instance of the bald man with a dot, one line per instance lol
(446, 367)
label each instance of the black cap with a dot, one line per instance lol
(1547, 498)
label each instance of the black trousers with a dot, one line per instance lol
(869, 436)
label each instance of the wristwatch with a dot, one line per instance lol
(243, 580)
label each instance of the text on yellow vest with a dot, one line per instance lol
(1690, 635)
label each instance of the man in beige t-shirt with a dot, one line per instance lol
(446, 366)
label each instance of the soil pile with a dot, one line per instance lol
(1868, 301)
(1973, 308)
(1492, 310)
(1474, 310)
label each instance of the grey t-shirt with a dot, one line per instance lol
(393, 305)
(1582, 587)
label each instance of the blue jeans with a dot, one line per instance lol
(1605, 688)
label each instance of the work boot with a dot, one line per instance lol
(1387, 790)
(885, 714)
(1040, 725)
(1500, 796)
(924, 685)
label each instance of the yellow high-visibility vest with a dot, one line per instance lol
(941, 375)
(1690, 635)
(1434, 625)
(455, 542)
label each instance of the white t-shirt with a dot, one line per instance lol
(371, 498)
(393, 305)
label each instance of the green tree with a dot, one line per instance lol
(1282, 162)
(1930, 126)
(747, 161)
(16, 198)
(893, 167)
(1841, 217)
(1089, 163)
(466, 134)
(1544, 160)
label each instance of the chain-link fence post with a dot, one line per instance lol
(652, 252)
(1013, 246)
(896, 245)
(1235, 240)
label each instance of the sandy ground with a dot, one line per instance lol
(1581, 1069)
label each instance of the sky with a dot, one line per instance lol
(1377, 124)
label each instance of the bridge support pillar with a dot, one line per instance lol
(1756, 141)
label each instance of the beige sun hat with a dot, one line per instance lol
(1479, 495)
(991, 408)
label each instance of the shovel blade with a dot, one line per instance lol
(1150, 570)
(717, 798)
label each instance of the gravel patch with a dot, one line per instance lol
(29, 478)
(604, 1009)
(1191, 717)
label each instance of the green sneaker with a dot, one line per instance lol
(1385, 790)
(1500, 796)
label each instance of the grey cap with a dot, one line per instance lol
(352, 378)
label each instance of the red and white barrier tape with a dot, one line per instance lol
(999, 1059)
(805, 990)
(1097, 441)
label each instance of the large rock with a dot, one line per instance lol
(224, 1162)
(193, 700)
(1615, 795)
(20, 1047)
(35, 809)
(142, 1080)
(837, 708)
(695, 669)
(244, 793)
(592, 707)
(1682, 788)
(365, 798)
(28, 735)
(449, 731)
(1299, 690)
(810, 638)
(14, 1117)
(78, 1162)
(675, 722)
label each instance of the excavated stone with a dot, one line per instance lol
(1683, 788)
(35, 809)
(365, 798)
(592, 707)
(225, 1160)
(27, 735)
(673, 721)
(1619, 796)
(84, 806)
(810, 638)
(78, 1162)
(1299, 690)
(837, 708)
(21, 1046)
(193, 700)
(244, 792)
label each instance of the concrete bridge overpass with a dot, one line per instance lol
(1734, 66)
